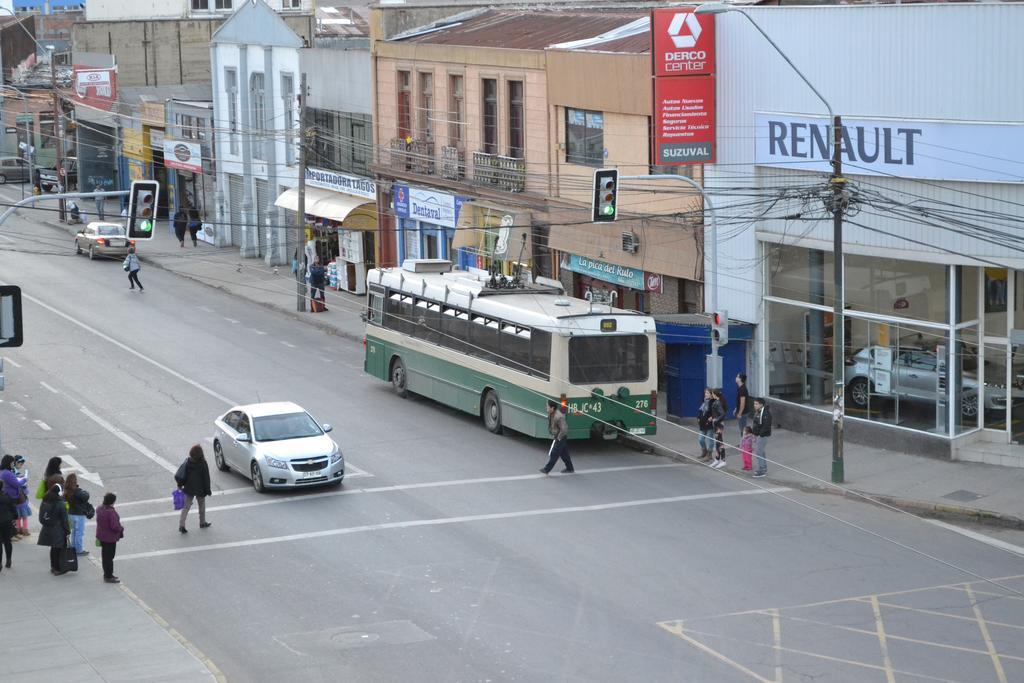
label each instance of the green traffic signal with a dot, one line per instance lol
(146, 226)
(609, 210)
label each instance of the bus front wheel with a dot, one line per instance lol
(492, 412)
(398, 378)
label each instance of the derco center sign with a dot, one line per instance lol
(683, 64)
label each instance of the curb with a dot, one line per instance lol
(917, 507)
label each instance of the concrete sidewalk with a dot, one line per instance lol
(77, 628)
(972, 491)
(939, 488)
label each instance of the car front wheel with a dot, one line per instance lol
(92, 253)
(218, 457)
(257, 477)
(3, 179)
(78, 247)
(860, 392)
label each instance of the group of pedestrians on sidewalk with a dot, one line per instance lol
(753, 437)
(63, 511)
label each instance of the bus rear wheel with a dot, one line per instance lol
(492, 412)
(398, 378)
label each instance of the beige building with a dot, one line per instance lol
(498, 119)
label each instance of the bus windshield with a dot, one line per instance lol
(607, 359)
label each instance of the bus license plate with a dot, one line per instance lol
(313, 475)
(637, 430)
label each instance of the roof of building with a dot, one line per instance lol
(539, 29)
(341, 19)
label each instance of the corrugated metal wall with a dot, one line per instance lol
(940, 62)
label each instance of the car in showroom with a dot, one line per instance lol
(912, 374)
(100, 239)
(277, 445)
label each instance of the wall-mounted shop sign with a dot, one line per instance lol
(341, 182)
(937, 150)
(609, 272)
(429, 206)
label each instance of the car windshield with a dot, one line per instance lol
(110, 231)
(282, 427)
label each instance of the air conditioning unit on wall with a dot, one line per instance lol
(630, 242)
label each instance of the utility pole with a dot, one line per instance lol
(300, 239)
(838, 183)
(58, 131)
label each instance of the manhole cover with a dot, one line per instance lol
(963, 496)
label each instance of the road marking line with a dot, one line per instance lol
(289, 345)
(353, 471)
(75, 466)
(989, 645)
(68, 445)
(48, 388)
(206, 308)
(163, 499)
(17, 405)
(231, 320)
(42, 425)
(981, 538)
(937, 613)
(128, 440)
(444, 521)
(402, 487)
(125, 347)
(679, 633)
(260, 332)
(890, 675)
(7, 359)
(777, 642)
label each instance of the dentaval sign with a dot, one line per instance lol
(937, 150)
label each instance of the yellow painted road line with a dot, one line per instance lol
(680, 633)
(988, 638)
(947, 615)
(880, 632)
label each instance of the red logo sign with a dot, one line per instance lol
(683, 42)
(653, 282)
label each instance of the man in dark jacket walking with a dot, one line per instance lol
(53, 515)
(181, 224)
(559, 439)
(193, 477)
(762, 428)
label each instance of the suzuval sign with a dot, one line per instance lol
(683, 65)
(936, 150)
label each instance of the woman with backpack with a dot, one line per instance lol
(79, 509)
(51, 476)
(53, 515)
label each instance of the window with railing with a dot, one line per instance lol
(258, 112)
(288, 102)
(425, 115)
(231, 90)
(341, 141)
(490, 115)
(516, 120)
(404, 104)
(456, 110)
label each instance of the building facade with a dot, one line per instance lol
(256, 72)
(933, 269)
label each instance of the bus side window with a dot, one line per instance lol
(375, 310)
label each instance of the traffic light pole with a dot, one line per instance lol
(838, 183)
(31, 201)
(300, 238)
(714, 367)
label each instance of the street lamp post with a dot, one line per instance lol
(838, 184)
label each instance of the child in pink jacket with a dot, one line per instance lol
(747, 448)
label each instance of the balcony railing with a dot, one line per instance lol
(416, 156)
(507, 173)
(453, 163)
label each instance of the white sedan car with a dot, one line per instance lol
(278, 445)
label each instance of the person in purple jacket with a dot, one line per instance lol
(108, 532)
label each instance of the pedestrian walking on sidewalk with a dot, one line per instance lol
(79, 510)
(194, 224)
(180, 223)
(559, 439)
(51, 476)
(743, 403)
(317, 281)
(747, 448)
(24, 507)
(132, 265)
(53, 515)
(108, 532)
(719, 424)
(709, 412)
(193, 477)
(762, 430)
(8, 515)
(100, 204)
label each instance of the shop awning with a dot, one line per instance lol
(354, 213)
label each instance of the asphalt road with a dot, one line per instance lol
(446, 556)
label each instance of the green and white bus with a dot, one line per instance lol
(501, 350)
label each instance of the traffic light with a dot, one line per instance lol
(720, 327)
(606, 195)
(142, 209)
(10, 316)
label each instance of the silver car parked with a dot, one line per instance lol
(13, 170)
(277, 445)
